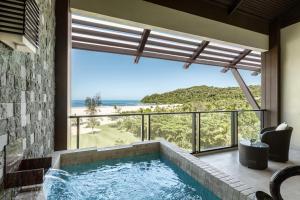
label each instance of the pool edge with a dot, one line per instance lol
(221, 184)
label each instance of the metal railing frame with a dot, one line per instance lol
(195, 148)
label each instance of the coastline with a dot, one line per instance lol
(105, 110)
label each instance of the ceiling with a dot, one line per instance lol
(264, 9)
(253, 15)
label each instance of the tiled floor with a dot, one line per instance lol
(228, 162)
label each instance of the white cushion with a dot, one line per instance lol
(282, 126)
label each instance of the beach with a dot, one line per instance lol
(106, 110)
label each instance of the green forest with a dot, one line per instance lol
(215, 128)
(205, 98)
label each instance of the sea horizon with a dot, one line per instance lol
(108, 102)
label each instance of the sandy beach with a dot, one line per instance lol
(105, 110)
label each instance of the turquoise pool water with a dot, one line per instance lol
(149, 177)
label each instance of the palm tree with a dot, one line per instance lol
(91, 104)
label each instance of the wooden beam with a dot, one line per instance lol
(104, 42)
(213, 53)
(98, 33)
(23, 178)
(62, 70)
(245, 89)
(223, 60)
(102, 48)
(218, 48)
(159, 54)
(170, 45)
(253, 60)
(105, 26)
(198, 51)
(236, 4)
(218, 12)
(251, 64)
(240, 57)
(255, 55)
(170, 52)
(248, 67)
(270, 77)
(142, 44)
(162, 45)
(173, 39)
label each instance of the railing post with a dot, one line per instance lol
(149, 127)
(194, 129)
(262, 119)
(78, 131)
(199, 132)
(234, 128)
(142, 128)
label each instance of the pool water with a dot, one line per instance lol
(149, 177)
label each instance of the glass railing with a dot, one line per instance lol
(249, 124)
(175, 128)
(194, 131)
(215, 130)
(104, 131)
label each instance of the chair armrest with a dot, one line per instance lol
(268, 129)
(275, 134)
(265, 135)
(279, 177)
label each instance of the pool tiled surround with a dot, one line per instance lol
(223, 185)
(73, 157)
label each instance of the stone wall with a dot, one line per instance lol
(27, 92)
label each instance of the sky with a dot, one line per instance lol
(116, 77)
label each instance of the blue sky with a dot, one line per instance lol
(116, 77)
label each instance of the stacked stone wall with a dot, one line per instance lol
(27, 87)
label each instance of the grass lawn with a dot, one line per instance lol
(107, 136)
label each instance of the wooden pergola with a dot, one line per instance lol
(97, 35)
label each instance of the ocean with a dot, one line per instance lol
(81, 103)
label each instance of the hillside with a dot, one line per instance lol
(215, 128)
(208, 98)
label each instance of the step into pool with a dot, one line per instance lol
(143, 177)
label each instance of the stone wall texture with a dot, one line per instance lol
(27, 92)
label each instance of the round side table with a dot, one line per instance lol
(254, 155)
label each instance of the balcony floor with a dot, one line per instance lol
(228, 162)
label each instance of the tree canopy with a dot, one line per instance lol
(206, 98)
